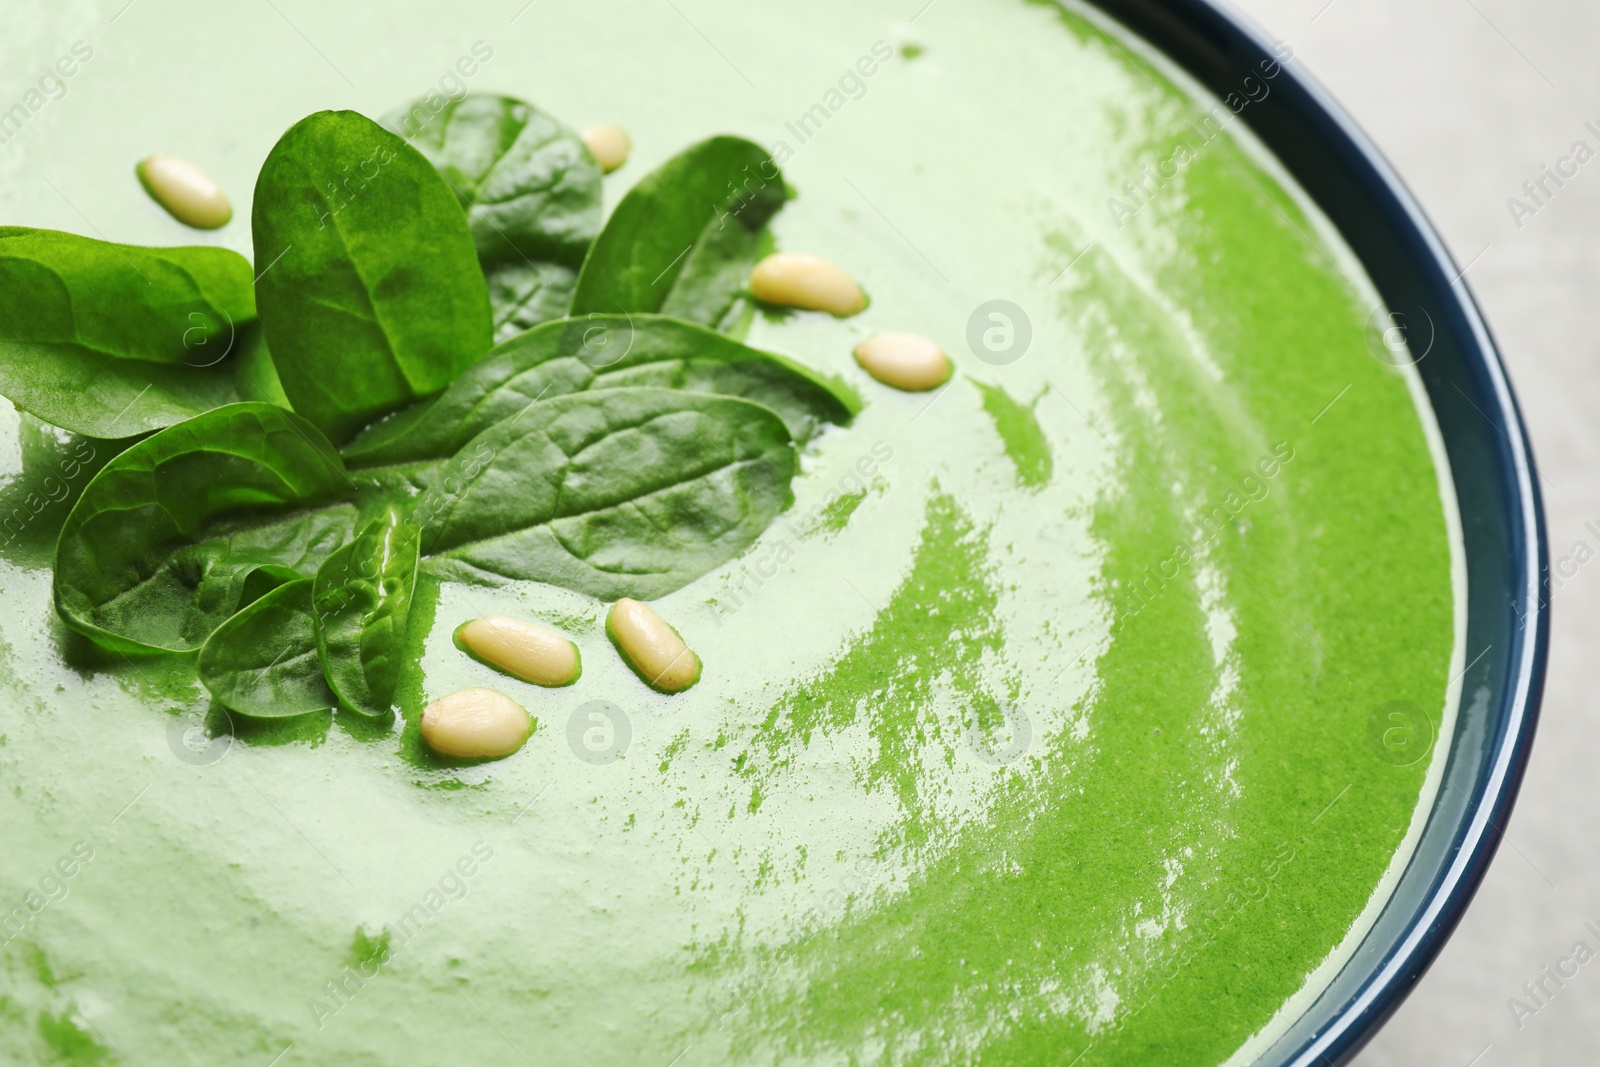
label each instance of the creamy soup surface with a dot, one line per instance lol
(1040, 726)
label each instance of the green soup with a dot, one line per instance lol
(1049, 723)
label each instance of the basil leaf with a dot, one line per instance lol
(599, 352)
(262, 662)
(362, 599)
(532, 195)
(178, 532)
(371, 296)
(617, 492)
(684, 240)
(112, 340)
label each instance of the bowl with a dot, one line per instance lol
(1495, 483)
(1508, 612)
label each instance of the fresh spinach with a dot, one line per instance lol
(112, 340)
(370, 296)
(623, 451)
(684, 240)
(254, 375)
(711, 288)
(616, 492)
(604, 351)
(531, 191)
(362, 600)
(184, 528)
(262, 662)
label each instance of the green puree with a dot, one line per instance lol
(1037, 729)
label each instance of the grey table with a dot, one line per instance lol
(1469, 99)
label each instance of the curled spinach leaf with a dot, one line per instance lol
(177, 533)
(684, 240)
(112, 340)
(616, 492)
(370, 293)
(362, 599)
(598, 352)
(262, 662)
(532, 195)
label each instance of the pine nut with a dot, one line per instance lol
(475, 724)
(610, 145)
(521, 649)
(795, 279)
(904, 361)
(652, 648)
(189, 194)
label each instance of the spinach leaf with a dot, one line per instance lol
(362, 599)
(617, 492)
(372, 296)
(254, 375)
(604, 351)
(684, 240)
(262, 662)
(532, 195)
(178, 532)
(711, 288)
(112, 340)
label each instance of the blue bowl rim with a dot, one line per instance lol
(1219, 46)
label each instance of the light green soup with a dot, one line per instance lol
(1039, 728)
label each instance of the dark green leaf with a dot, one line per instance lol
(262, 662)
(532, 194)
(362, 600)
(616, 492)
(177, 533)
(253, 373)
(604, 351)
(370, 292)
(115, 340)
(684, 240)
(711, 289)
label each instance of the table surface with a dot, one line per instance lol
(1469, 99)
